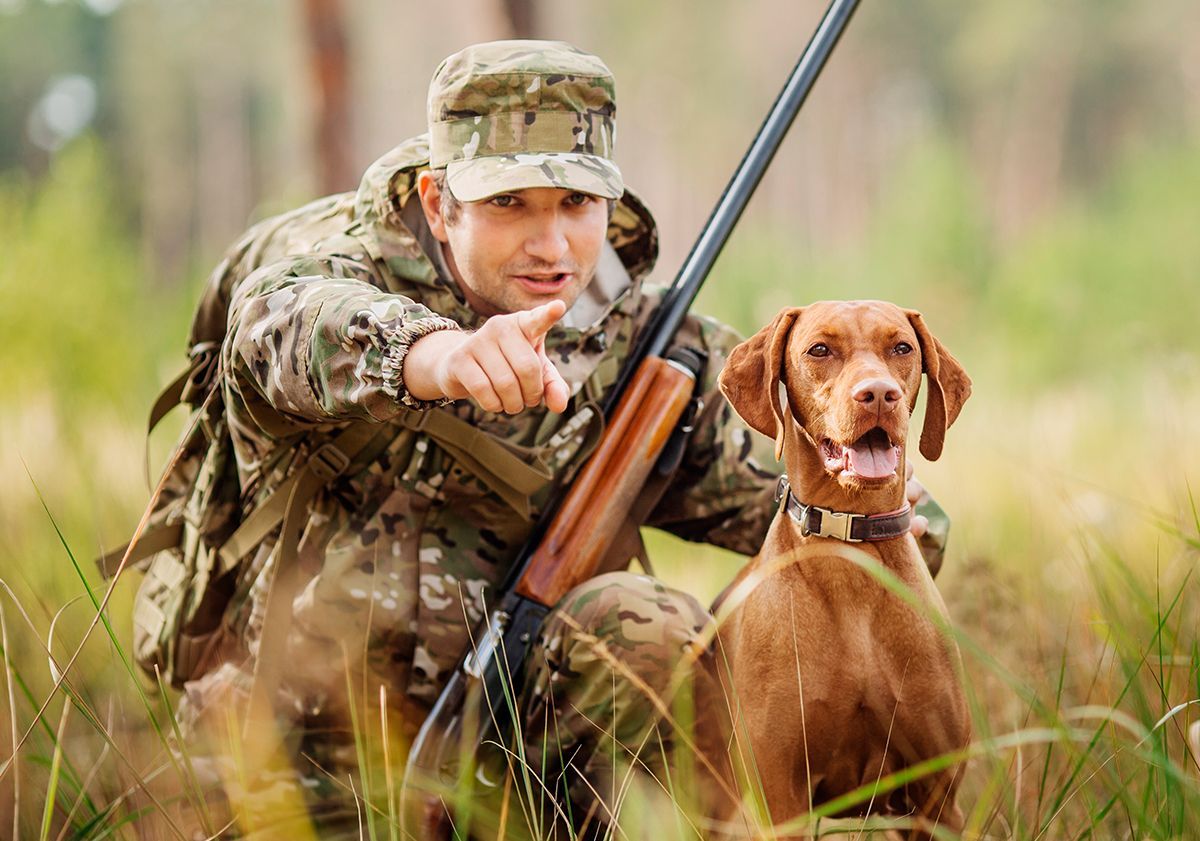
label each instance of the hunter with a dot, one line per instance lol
(419, 366)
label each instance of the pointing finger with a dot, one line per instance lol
(536, 322)
(500, 374)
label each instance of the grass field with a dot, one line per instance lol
(1071, 578)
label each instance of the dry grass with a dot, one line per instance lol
(1071, 582)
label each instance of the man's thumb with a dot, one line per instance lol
(535, 322)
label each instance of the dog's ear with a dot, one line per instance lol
(949, 387)
(750, 379)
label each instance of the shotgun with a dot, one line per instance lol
(572, 538)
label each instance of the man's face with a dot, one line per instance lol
(515, 251)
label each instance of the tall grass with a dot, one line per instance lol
(1071, 579)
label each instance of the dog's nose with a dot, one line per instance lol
(880, 395)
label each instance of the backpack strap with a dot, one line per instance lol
(196, 379)
(326, 463)
(170, 397)
(486, 458)
(150, 542)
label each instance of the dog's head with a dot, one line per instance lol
(848, 374)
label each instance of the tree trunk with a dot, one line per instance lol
(324, 20)
(522, 17)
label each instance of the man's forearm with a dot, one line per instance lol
(319, 340)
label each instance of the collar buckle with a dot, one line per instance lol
(840, 524)
(781, 489)
(837, 524)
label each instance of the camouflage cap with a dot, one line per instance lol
(508, 115)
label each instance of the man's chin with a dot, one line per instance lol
(527, 297)
(515, 293)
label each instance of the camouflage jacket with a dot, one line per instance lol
(400, 549)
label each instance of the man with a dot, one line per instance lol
(487, 276)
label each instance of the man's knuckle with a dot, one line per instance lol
(503, 378)
(530, 371)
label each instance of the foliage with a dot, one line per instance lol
(80, 320)
(1071, 575)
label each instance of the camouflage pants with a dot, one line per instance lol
(605, 705)
(608, 702)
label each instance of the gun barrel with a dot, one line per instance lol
(744, 181)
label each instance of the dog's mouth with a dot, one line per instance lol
(873, 457)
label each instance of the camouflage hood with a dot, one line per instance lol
(389, 185)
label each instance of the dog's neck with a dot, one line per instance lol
(812, 485)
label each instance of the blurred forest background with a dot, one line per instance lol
(1025, 173)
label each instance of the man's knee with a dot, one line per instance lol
(628, 619)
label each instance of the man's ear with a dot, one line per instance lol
(750, 379)
(431, 205)
(949, 387)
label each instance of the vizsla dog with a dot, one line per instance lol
(838, 680)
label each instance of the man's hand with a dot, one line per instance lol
(915, 491)
(502, 366)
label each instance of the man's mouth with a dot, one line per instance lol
(873, 457)
(544, 283)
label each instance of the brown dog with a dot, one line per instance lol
(836, 679)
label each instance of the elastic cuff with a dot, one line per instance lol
(398, 345)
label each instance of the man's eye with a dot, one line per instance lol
(503, 200)
(819, 350)
(578, 199)
(902, 349)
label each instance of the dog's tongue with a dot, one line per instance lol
(872, 459)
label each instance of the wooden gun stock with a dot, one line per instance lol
(603, 493)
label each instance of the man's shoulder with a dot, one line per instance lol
(697, 330)
(305, 230)
(341, 224)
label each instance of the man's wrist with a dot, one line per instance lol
(419, 374)
(395, 363)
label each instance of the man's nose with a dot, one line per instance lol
(877, 395)
(547, 241)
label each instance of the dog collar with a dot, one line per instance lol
(842, 525)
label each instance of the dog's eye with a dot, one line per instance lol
(902, 349)
(819, 349)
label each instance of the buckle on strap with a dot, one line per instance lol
(834, 524)
(328, 461)
(781, 489)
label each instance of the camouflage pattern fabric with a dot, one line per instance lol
(508, 115)
(608, 700)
